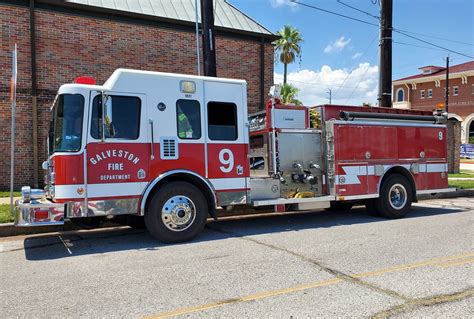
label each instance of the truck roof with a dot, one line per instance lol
(116, 79)
(130, 80)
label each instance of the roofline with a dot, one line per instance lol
(271, 33)
(431, 66)
(112, 14)
(433, 77)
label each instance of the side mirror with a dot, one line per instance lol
(104, 98)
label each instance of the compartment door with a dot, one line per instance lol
(227, 140)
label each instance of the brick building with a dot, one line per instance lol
(60, 40)
(423, 91)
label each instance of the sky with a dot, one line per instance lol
(342, 54)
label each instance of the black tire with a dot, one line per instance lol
(395, 197)
(371, 207)
(187, 215)
(137, 222)
(340, 206)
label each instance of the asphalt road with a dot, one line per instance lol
(322, 264)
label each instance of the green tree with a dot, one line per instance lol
(288, 47)
(288, 94)
(314, 118)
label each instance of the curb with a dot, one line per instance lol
(458, 193)
(7, 229)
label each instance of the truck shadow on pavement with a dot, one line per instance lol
(108, 240)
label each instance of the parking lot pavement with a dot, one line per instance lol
(347, 264)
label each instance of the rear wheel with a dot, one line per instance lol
(177, 212)
(395, 197)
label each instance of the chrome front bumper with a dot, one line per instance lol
(38, 213)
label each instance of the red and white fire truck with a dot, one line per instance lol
(172, 148)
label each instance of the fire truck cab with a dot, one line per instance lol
(172, 148)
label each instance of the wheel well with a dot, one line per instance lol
(196, 181)
(401, 171)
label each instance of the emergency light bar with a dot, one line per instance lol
(84, 79)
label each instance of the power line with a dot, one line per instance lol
(373, 24)
(320, 83)
(333, 13)
(434, 37)
(357, 9)
(432, 44)
(418, 46)
(393, 29)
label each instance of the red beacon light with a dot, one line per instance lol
(85, 80)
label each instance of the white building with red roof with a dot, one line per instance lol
(423, 91)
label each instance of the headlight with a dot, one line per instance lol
(26, 194)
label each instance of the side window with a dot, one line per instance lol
(222, 121)
(122, 117)
(188, 117)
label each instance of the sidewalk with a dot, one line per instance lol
(467, 166)
(6, 200)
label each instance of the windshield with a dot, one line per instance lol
(65, 130)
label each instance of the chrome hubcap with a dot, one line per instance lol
(178, 213)
(398, 196)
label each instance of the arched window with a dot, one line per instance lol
(400, 95)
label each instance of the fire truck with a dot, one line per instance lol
(171, 149)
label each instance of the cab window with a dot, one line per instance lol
(122, 119)
(188, 119)
(222, 121)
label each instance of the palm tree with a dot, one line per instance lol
(288, 94)
(288, 46)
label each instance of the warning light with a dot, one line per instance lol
(440, 106)
(188, 87)
(85, 80)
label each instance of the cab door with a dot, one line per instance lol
(117, 163)
(227, 140)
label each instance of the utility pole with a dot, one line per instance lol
(446, 92)
(198, 49)
(330, 95)
(208, 39)
(385, 61)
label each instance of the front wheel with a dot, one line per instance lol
(395, 197)
(177, 212)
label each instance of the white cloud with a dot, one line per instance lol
(279, 3)
(337, 45)
(357, 55)
(350, 87)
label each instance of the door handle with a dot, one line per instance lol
(152, 147)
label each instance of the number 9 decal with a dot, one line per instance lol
(226, 157)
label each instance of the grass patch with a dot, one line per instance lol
(5, 216)
(7, 194)
(464, 174)
(461, 184)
